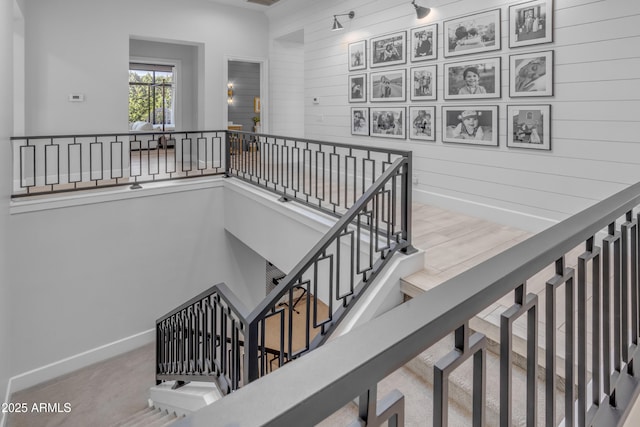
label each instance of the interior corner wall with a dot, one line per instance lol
(287, 88)
(79, 47)
(595, 148)
(10, 14)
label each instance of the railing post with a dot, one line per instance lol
(251, 365)
(227, 154)
(407, 200)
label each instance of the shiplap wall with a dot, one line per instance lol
(595, 108)
(286, 59)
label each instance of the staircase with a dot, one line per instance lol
(149, 417)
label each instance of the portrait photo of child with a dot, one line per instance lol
(470, 125)
(472, 79)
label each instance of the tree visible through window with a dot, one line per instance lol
(152, 94)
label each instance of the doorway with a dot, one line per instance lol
(246, 93)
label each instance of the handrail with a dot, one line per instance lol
(201, 340)
(327, 176)
(52, 164)
(294, 279)
(225, 293)
(381, 219)
(351, 365)
(285, 284)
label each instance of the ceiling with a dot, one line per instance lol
(253, 4)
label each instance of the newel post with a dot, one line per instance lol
(251, 355)
(407, 200)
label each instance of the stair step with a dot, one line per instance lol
(133, 419)
(149, 417)
(488, 323)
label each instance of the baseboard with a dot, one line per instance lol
(78, 361)
(513, 218)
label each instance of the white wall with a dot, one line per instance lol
(287, 84)
(595, 126)
(77, 46)
(6, 125)
(85, 276)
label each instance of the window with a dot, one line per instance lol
(152, 95)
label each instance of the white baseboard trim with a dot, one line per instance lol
(518, 219)
(78, 361)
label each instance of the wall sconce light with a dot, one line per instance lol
(230, 93)
(421, 12)
(336, 24)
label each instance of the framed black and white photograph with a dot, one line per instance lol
(529, 126)
(531, 23)
(476, 79)
(388, 122)
(531, 74)
(358, 55)
(388, 85)
(476, 125)
(422, 123)
(423, 83)
(423, 43)
(389, 50)
(475, 33)
(358, 88)
(360, 121)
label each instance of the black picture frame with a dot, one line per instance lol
(423, 43)
(388, 50)
(388, 122)
(360, 121)
(531, 74)
(357, 53)
(388, 86)
(475, 33)
(473, 79)
(423, 83)
(529, 126)
(358, 88)
(530, 23)
(483, 132)
(422, 122)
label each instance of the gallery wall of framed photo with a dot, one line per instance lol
(395, 91)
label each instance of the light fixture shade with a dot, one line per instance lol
(336, 25)
(421, 12)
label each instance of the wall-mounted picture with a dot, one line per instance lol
(358, 88)
(531, 74)
(360, 121)
(388, 122)
(422, 123)
(388, 85)
(389, 50)
(424, 43)
(477, 79)
(472, 34)
(423, 83)
(358, 55)
(476, 125)
(531, 23)
(529, 126)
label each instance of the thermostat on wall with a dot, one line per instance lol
(76, 97)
